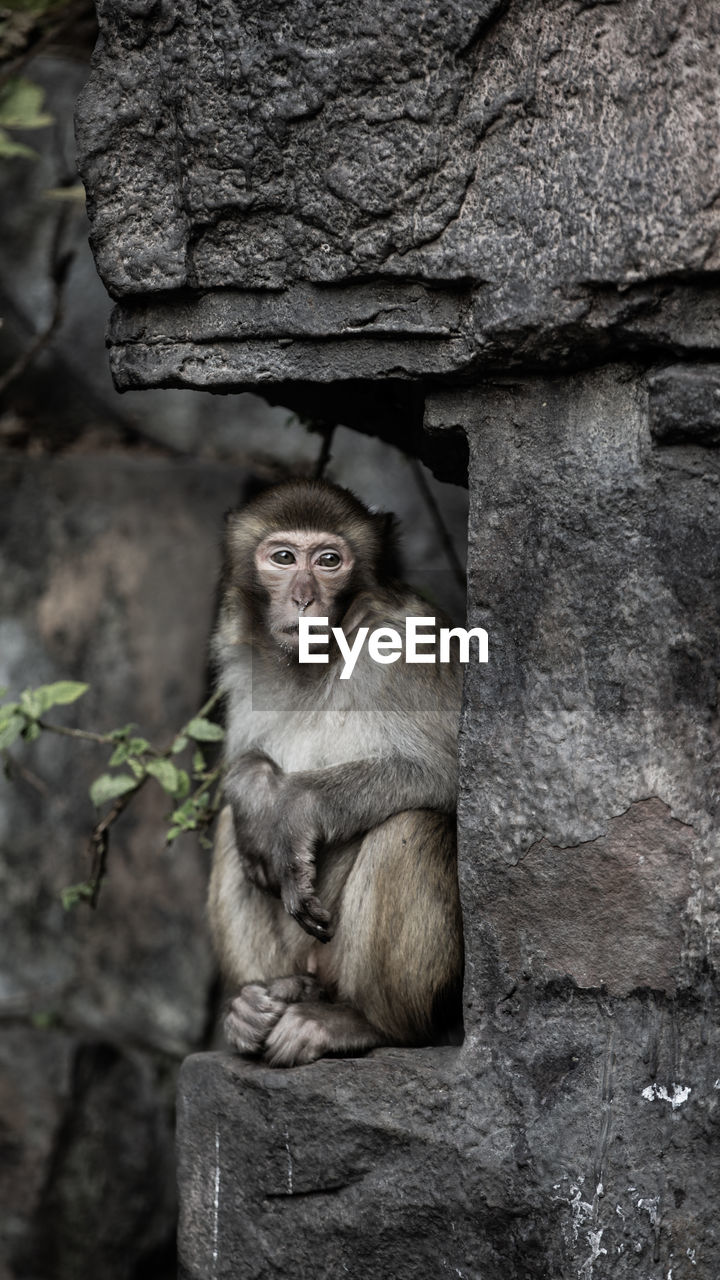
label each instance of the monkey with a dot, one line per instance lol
(333, 898)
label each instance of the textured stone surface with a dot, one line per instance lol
(575, 1132)
(594, 560)
(293, 194)
(87, 1181)
(609, 911)
(685, 405)
(548, 1147)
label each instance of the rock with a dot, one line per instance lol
(87, 1127)
(108, 568)
(455, 188)
(574, 1131)
(685, 405)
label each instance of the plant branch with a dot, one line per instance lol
(38, 39)
(105, 739)
(59, 266)
(441, 528)
(100, 839)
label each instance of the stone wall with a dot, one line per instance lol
(503, 215)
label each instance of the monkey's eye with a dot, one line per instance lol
(329, 560)
(282, 557)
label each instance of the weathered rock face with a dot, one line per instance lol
(575, 1131)
(590, 788)
(333, 202)
(313, 188)
(108, 567)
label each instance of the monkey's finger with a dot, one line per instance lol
(310, 914)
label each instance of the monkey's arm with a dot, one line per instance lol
(403, 724)
(276, 834)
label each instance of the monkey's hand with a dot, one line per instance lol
(299, 832)
(277, 830)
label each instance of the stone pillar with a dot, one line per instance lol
(590, 770)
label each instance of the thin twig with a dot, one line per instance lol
(208, 706)
(100, 840)
(14, 768)
(328, 431)
(105, 739)
(442, 531)
(38, 41)
(59, 267)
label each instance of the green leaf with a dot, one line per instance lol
(9, 148)
(174, 781)
(11, 730)
(20, 106)
(118, 735)
(7, 712)
(204, 730)
(61, 693)
(75, 893)
(179, 744)
(73, 195)
(184, 784)
(125, 752)
(32, 731)
(109, 786)
(198, 763)
(187, 816)
(31, 704)
(42, 1020)
(35, 701)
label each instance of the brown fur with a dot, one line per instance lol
(333, 896)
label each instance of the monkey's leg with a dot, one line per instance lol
(255, 941)
(399, 948)
(254, 937)
(396, 957)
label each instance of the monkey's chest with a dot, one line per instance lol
(303, 739)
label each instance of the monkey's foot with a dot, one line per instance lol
(252, 1014)
(313, 1030)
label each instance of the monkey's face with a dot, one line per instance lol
(305, 575)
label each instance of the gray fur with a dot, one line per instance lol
(341, 796)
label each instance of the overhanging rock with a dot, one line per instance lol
(328, 191)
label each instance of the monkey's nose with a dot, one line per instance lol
(303, 593)
(301, 599)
